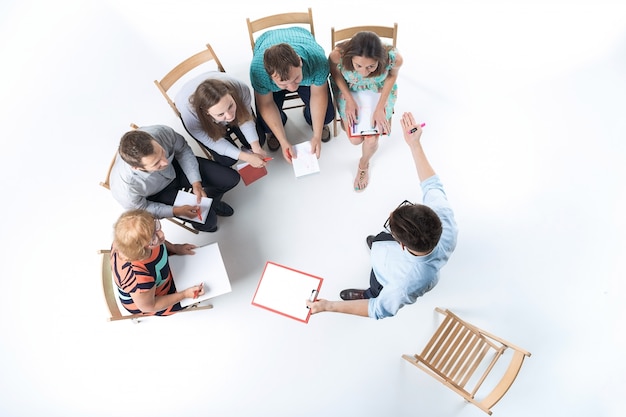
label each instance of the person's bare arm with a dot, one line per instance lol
(355, 307)
(412, 133)
(271, 114)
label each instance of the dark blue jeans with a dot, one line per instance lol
(305, 94)
(375, 286)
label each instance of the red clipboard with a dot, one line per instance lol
(284, 291)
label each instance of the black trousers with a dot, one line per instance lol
(305, 94)
(375, 286)
(216, 181)
(227, 161)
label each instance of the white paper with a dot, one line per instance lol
(367, 101)
(305, 162)
(184, 198)
(205, 266)
(285, 291)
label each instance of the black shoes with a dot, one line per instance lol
(204, 228)
(369, 240)
(325, 134)
(352, 294)
(272, 143)
(223, 209)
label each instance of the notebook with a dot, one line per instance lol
(205, 266)
(184, 198)
(305, 162)
(250, 174)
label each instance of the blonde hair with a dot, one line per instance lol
(132, 234)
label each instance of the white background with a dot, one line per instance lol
(524, 109)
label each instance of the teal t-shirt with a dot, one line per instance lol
(315, 68)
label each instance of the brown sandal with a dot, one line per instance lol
(362, 178)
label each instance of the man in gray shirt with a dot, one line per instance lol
(154, 162)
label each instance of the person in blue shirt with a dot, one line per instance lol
(407, 258)
(289, 59)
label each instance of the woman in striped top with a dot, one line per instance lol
(140, 267)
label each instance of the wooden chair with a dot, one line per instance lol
(277, 20)
(180, 71)
(388, 33)
(106, 184)
(457, 350)
(110, 294)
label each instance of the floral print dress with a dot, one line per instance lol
(357, 82)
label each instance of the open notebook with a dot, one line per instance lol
(206, 266)
(184, 198)
(305, 162)
(284, 290)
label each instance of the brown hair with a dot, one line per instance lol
(135, 145)
(132, 234)
(416, 226)
(367, 45)
(207, 95)
(279, 59)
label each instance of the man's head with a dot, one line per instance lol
(284, 66)
(416, 226)
(139, 150)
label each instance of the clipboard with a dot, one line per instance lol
(205, 266)
(284, 291)
(366, 101)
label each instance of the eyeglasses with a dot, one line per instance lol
(386, 225)
(156, 239)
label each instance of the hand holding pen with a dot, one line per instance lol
(411, 129)
(198, 290)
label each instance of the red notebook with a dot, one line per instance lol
(284, 290)
(250, 174)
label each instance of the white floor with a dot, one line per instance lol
(524, 105)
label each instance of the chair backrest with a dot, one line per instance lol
(462, 356)
(295, 18)
(183, 68)
(109, 290)
(386, 32)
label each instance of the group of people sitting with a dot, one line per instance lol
(155, 162)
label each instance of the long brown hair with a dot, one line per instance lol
(367, 45)
(207, 95)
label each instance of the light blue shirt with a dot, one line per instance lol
(404, 276)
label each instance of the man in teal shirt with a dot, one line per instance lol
(285, 60)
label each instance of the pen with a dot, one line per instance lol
(200, 214)
(415, 129)
(196, 292)
(267, 159)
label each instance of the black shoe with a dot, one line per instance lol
(352, 294)
(272, 143)
(369, 240)
(325, 134)
(223, 209)
(204, 228)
